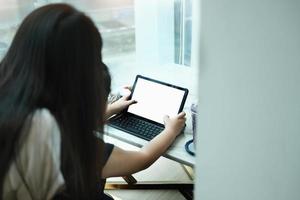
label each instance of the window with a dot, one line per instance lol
(130, 29)
(9, 17)
(183, 31)
(114, 18)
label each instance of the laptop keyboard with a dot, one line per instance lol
(137, 127)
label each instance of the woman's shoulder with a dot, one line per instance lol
(43, 125)
(43, 116)
(35, 172)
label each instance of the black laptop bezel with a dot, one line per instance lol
(186, 91)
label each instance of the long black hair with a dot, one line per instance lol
(55, 62)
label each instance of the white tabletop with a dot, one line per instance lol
(176, 151)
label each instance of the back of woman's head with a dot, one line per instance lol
(55, 62)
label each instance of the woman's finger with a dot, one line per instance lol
(181, 115)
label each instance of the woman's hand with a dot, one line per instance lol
(121, 104)
(122, 162)
(175, 124)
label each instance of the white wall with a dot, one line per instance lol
(249, 126)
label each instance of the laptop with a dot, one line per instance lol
(155, 99)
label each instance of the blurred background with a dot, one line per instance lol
(115, 20)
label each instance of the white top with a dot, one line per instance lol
(38, 161)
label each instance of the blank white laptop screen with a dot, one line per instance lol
(155, 100)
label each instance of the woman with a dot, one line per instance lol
(53, 92)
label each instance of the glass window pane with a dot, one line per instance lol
(183, 31)
(178, 31)
(115, 20)
(187, 41)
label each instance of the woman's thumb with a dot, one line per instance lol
(132, 101)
